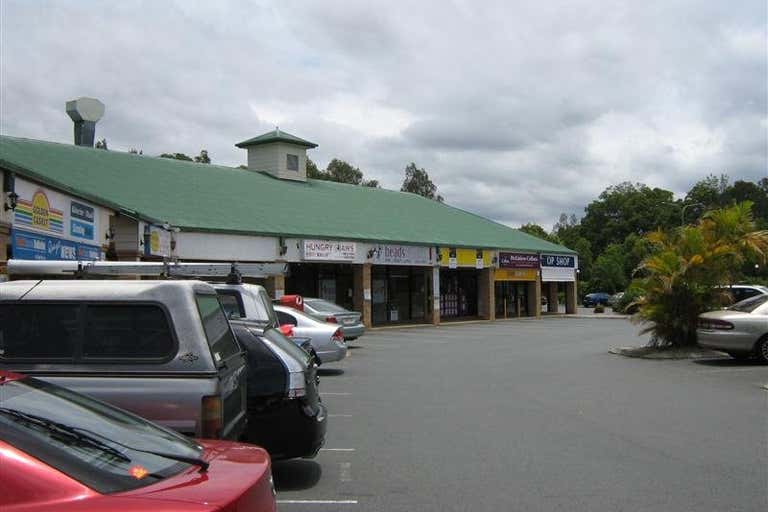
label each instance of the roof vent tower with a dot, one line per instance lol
(85, 112)
(278, 153)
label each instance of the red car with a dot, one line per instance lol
(63, 451)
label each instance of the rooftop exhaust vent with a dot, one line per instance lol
(85, 112)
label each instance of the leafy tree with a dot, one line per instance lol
(708, 191)
(101, 144)
(608, 274)
(417, 182)
(538, 231)
(627, 208)
(177, 156)
(680, 277)
(313, 172)
(742, 191)
(203, 157)
(340, 172)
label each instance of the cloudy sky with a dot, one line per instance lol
(518, 110)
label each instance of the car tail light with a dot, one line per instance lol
(297, 387)
(331, 320)
(212, 419)
(287, 329)
(338, 335)
(714, 324)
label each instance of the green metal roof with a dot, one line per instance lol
(200, 197)
(276, 136)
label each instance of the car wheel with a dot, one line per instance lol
(761, 349)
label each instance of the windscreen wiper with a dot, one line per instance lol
(89, 437)
(65, 430)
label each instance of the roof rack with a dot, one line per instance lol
(162, 269)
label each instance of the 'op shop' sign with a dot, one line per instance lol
(558, 267)
(329, 250)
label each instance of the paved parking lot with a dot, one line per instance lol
(532, 416)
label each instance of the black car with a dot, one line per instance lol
(285, 413)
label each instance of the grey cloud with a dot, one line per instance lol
(510, 105)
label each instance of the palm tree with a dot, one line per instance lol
(680, 279)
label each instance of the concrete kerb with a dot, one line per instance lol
(666, 354)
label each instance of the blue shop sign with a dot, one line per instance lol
(33, 246)
(558, 260)
(81, 229)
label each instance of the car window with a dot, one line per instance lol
(232, 303)
(750, 304)
(285, 318)
(324, 305)
(266, 304)
(127, 332)
(44, 332)
(220, 337)
(88, 450)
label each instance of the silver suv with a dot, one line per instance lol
(161, 349)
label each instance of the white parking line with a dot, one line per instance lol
(345, 471)
(318, 502)
(339, 415)
(334, 394)
(337, 449)
(729, 370)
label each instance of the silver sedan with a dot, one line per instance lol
(741, 330)
(327, 339)
(333, 313)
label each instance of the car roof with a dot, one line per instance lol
(237, 286)
(100, 289)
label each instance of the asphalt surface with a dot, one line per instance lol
(533, 416)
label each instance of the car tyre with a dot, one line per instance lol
(761, 349)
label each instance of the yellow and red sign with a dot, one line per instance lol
(39, 214)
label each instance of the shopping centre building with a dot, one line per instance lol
(395, 256)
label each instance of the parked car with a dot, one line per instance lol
(328, 312)
(327, 339)
(161, 349)
(593, 299)
(614, 299)
(740, 330)
(285, 413)
(738, 292)
(64, 451)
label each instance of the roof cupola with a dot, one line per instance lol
(278, 153)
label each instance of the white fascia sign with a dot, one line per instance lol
(329, 250)
(400, 255)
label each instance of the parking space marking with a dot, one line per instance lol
(345, 471)
(337, 449)
(317, 502)
(339, 415)
(323, 393)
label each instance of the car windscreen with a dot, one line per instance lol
(232, 303)
(287, 345)
(324, 305)
(92, 442)
(750, 304)
(217, 330)
(264, 303)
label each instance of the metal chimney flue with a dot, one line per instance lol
(85, 112)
